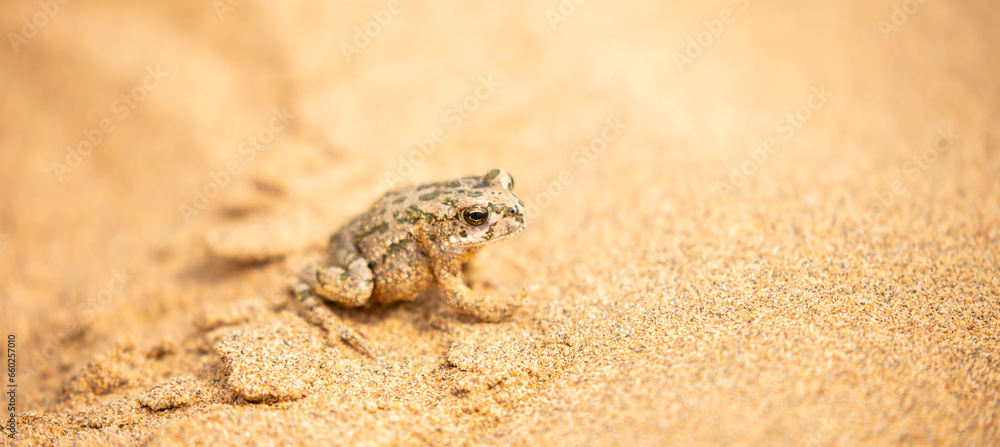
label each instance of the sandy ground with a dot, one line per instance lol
(752, 223)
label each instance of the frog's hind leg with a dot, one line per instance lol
(317, 313)
(344, 279)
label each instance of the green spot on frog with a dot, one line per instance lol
(397, 247)
(379, 228)
(431, 195)
(489, 232)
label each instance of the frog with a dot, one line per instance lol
(412, 238)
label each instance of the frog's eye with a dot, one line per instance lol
(476, 215)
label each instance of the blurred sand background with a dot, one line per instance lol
(836, 291)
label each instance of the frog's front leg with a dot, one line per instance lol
(457, 294)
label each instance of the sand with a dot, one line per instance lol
(751, 223)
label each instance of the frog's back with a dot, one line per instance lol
(387, 238)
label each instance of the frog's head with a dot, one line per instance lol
(480, 211)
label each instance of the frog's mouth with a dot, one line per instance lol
(498, 231)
